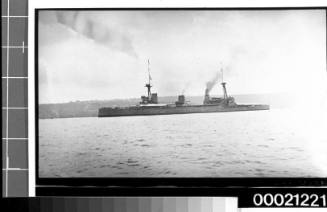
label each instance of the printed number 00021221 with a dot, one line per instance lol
(289, 200)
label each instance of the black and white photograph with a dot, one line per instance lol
(181, 93)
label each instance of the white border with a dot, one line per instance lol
(123, 4)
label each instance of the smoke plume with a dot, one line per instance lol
(94, 30)
(210, 84)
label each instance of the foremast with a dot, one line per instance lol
(151, 98)
(148, 85)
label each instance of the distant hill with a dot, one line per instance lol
(90, 108)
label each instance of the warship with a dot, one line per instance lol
(150, 105)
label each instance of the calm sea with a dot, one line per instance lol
(237, 144)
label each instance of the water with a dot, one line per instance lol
(237, 144)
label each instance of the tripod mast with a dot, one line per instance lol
(223, 84)
(148, 85)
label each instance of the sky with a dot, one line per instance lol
(102, 55)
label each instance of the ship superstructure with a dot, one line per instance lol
(150, 105)
(225, 100)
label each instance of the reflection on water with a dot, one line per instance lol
(238, 144)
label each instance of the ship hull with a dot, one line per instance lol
(168, 110)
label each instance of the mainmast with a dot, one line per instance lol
(148, 85)
(223, 84)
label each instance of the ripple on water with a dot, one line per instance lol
(263, 146)
(132, 162)
(81, 153)
(208, 145)
(123, 173)
(116, 167)
(218, 164)
(81, 171)
(296, 149)
(201, 158)
(186, 145)
(104, 166)
(145, 145)
(258, 162)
